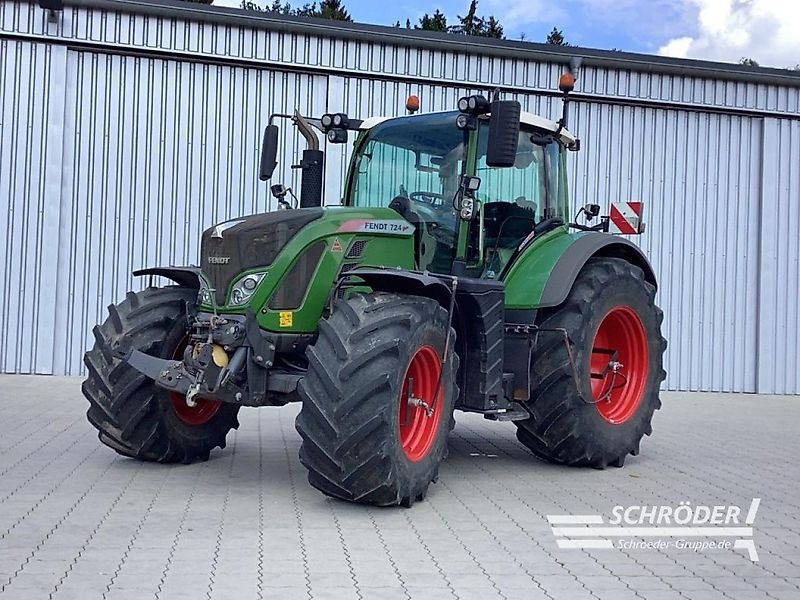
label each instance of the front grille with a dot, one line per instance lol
(356, 249)
(251, 242)
(292, 289)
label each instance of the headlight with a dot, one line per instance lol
(205, 295)
(244, 288)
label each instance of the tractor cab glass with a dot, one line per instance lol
(514, 200)
(413, 165)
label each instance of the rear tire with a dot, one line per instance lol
(133, 416)
(354, 445)
(602, 420)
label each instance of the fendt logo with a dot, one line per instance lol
(219, 260)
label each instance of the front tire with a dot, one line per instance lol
(614, 331)
(362, 440)
(132, 415)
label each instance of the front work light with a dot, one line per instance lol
(334, 121)
(473, 105)
(466, 122)
(337, 136)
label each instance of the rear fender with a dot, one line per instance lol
(543, 274)
(591, 245)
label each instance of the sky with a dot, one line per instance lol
(767, 31)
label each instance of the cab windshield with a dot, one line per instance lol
(413, 164)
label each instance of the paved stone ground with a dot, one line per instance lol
(78, 521)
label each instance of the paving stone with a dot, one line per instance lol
(78, 519)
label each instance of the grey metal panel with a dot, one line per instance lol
(698, 175)
(155, 152)
(30, 160)
(375, 57)
(779, 316)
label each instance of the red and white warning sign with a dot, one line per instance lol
(625, 217)
(336, 246)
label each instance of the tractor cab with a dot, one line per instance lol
(415, 165)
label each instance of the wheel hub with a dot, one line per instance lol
(619, 365)
(420, 400)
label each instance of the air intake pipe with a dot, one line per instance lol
(312, 164)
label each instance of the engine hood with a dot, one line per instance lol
(277, 238)
(233, 246)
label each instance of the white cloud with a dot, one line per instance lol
(524, 12)
(767, 31)
(624, 24)
(231, 3)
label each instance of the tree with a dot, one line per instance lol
(748, 62)
(469, 24)
(472, 24)
(437, 22)
(333, 9)
(328, 9)
(556, 38)
(308, 10)
(493, 29)
(283, 9)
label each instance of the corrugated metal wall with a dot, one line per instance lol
(123, 136)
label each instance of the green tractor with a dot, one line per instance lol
(450, 278)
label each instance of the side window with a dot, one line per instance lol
(523, 184)
(514, 199)
(557, 182)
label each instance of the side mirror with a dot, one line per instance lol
(503, 133)
(269, 152)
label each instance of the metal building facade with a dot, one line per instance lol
(129, 127)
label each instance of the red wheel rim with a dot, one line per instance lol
(203, 410)
(620, 338)
(417, 429)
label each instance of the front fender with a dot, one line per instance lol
(189, 277)
(543, 275)
(405, 282)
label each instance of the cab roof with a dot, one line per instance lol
(526, 118)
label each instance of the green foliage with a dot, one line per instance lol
(556, 38)
(333, 9)
(493, 28)
(748, 62)
(328, 9)
(437, 22)
(469, 24)
(472, 24)
(277, 7)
